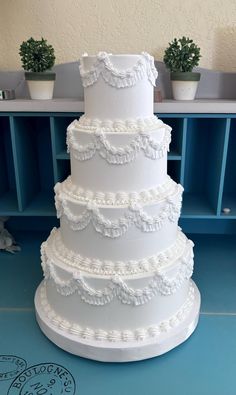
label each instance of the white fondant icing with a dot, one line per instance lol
(134, 216)
(98, 175)
(97, 158)
(119, 268)
(125, 335)
(142, 142)
(115, 315)
(160, 282)
(129, 125)
(58, 251)
(124, 91)
(134, 245)
(118, 78)
(102, 198)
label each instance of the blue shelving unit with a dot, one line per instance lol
(202, 158)
(33, 158)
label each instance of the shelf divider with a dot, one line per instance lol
(8, 194)
(183, 150)
(53, 142)
(223, 165)
(15, 161)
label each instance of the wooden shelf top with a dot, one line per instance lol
(198, 106)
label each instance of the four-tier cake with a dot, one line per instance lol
(117, 272)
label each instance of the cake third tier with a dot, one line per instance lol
(129, 227)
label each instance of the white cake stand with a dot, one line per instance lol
(119, 351)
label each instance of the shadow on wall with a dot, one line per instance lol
(224, 50)
(224, 53)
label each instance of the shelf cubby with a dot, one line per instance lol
(173, 170)
(203, 165)
(62, 170)
(8, 194)
(176, 137)
(33, 164)
(59, 126)
(229, 188)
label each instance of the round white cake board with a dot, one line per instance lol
(119, 351)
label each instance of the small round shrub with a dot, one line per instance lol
(181, 55)
(37, 55)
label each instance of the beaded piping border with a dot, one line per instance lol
(85, 124)
(134, 215)
(75, 192)
(117, 155)
(55, 247)
(116, 287)
(119, 78)
(126, 335)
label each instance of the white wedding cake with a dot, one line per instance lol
(117, 272)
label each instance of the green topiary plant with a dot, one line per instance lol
(37, 55)
(182, 55)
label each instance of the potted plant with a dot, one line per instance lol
(37, 59)
(180, 57)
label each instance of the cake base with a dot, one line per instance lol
(122, 351)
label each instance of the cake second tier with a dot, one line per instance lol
(122, 155)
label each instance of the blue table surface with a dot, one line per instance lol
(205, 364)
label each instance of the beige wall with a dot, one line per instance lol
(128, 26)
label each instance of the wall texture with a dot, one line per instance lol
(119, 26)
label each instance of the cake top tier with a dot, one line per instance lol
(118, 86)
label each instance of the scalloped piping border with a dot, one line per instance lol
(118, 155)
(116, 287)
(75, 192)
(55, 247)
(139, 334)
(135, 215)
(131, 125)
(103, 66)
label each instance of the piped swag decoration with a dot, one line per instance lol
(160, 283)
(118, 155)
(119, 78)
(135, 215)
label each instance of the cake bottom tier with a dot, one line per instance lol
(118, 312)
(115, 345)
